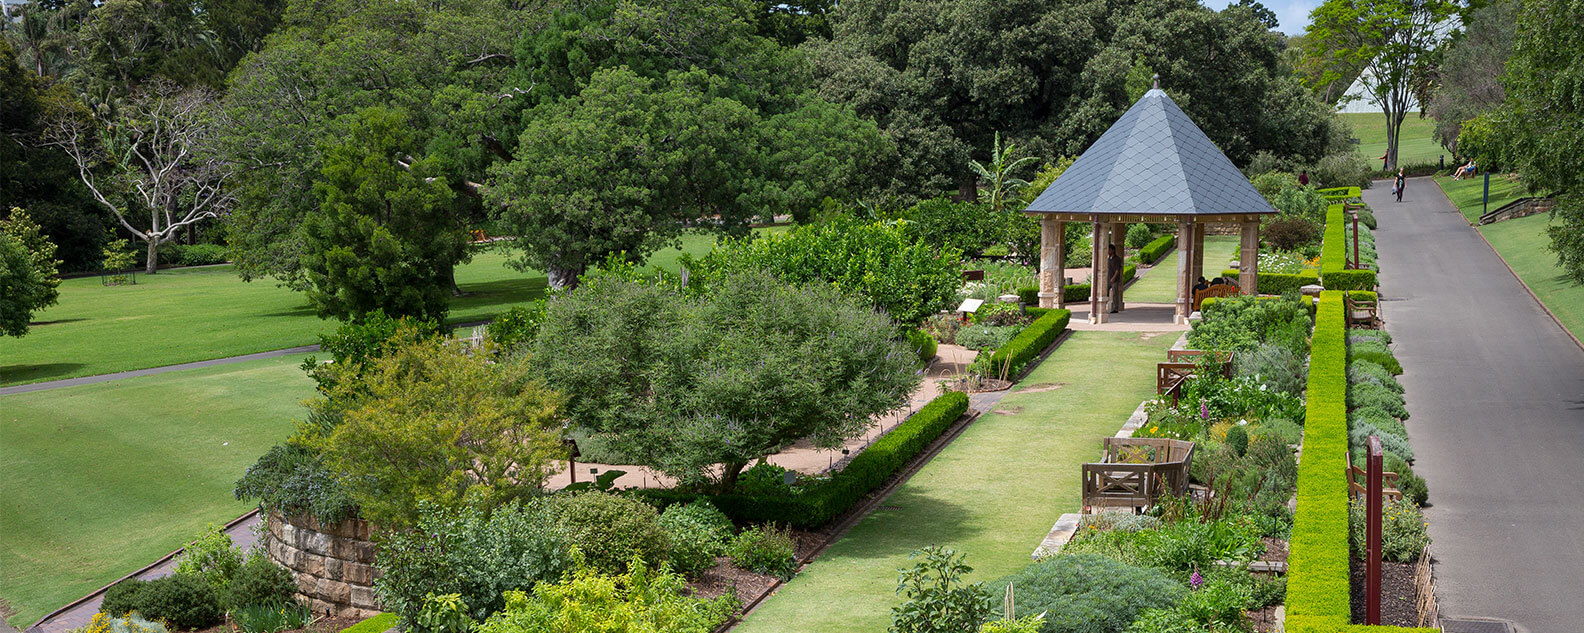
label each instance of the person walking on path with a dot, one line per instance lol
(1114, 279)
(1401, 182)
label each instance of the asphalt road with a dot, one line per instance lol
(1495, 391)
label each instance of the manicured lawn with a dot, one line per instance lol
(1416, 145)
(994, 493)
(1159, 285)
(1523, 243)
(99, 480)
(1468, 194)
(185, 315)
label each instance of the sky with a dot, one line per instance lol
(1291, 15)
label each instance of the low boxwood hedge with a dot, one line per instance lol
(1029, 295)
(1340, 194)
(818, 504)
(1349, 279)
(1279, 283)
(1035, 337)
(1153, 251)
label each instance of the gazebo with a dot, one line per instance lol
(1154, 165)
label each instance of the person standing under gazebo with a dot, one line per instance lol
(1114, 279)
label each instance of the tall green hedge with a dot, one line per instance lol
(1153, 251)
(818, 504)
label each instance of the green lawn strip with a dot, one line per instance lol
(1524, 244)
(1417, 144)
(1468, 194)
(993, 493)
(100, 480)
(1159, 285)
(186, 315)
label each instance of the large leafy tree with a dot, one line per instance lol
(1388, 44)
(684, 384)
(27, 273)
(385, 237)
(1539, 129)
(1469, 80)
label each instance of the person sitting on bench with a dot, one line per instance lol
(1466, 171)
(1201, 284)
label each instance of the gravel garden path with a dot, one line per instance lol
(1496, 393)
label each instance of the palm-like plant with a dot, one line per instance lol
(998, 175)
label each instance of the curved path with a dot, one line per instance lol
(1496, 392)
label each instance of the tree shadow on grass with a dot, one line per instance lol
(305, 310)
(16, 374)
(908, 520)
(499, 293)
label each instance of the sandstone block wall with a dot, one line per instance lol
(333, 564)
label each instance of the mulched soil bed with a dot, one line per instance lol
(982, 385)
(1398, 607)
(748, 586)
(1275, 550)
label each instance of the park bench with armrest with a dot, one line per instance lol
(1136, 472)
(1362, 312)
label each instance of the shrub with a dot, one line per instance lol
(611, 530)
(763, 478)
(180, 601)
(1342, 170)
(1155, 250)
(1088, 592)
(765, 549)
(1031, 342)
(1289, 232)
(1137, 235)
(698, 533)
(986, 337)
(1412, 486)
(1270, 283)
(211, 557)
(922, 343)
(1380, 420)
(1390, 443)
(259, 581)
(1403, 533)
(1117, 522)
(1001, 314)
(517, 326)
(1030, 624)
(1376, 353)
(936, 600)
(377, 624)
(1367, 218)
(1303, 202)
(1271, 179)
(203, 254)
(1237, 440)
(943, 327)
(1241, 324)
(643, 599)
(132, 623)
(1287, 431)
(465, 552)
(1348, 279)
(1216, 606)
(292, 479)
(1358, 332)
(1274, 366)
(271, 617)
(1368, 395)
(1360, 371)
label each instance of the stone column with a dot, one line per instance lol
(1097, 272)
(1197, 270)
(1248, 259)
(1184, 281)
(1052, 274)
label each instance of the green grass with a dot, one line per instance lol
(102, 479)
(1159, 285)
(186, 315)
(1416, 145)
(1524, 244)
(1468, 194)
(993, 493)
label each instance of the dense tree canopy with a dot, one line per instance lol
(1469, 79)
(942, 78)
(682, 383)
(27, 272)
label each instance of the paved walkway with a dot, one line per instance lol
(1496, 391)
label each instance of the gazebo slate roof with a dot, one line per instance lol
(1153, 161)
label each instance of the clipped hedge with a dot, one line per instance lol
(1349, 280)
(1340, 194)
(1153, 251)
(1029, 295)
(1317, 565)
(1035, 337)
(820, 503)
(923, 343)
(1334, 274)
(1279, 283)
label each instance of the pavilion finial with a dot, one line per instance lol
(1157, 81)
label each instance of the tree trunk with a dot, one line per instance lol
(729, 473)
(562, 278)
(153, 256)
(450, 279)
(968, 190)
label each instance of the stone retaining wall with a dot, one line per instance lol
(333, 564)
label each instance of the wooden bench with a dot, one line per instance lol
(1135, 472)
(1362, 312)
(1180, 365)
(1218, 290)
(1358, 479)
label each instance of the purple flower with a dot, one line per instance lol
(1204, 411)
(1196, 580)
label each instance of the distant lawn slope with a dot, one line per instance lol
(1416, 146)
(1159, 284)
(193, 314)
(1468, 194)
(1524, 244)
(99, 480)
